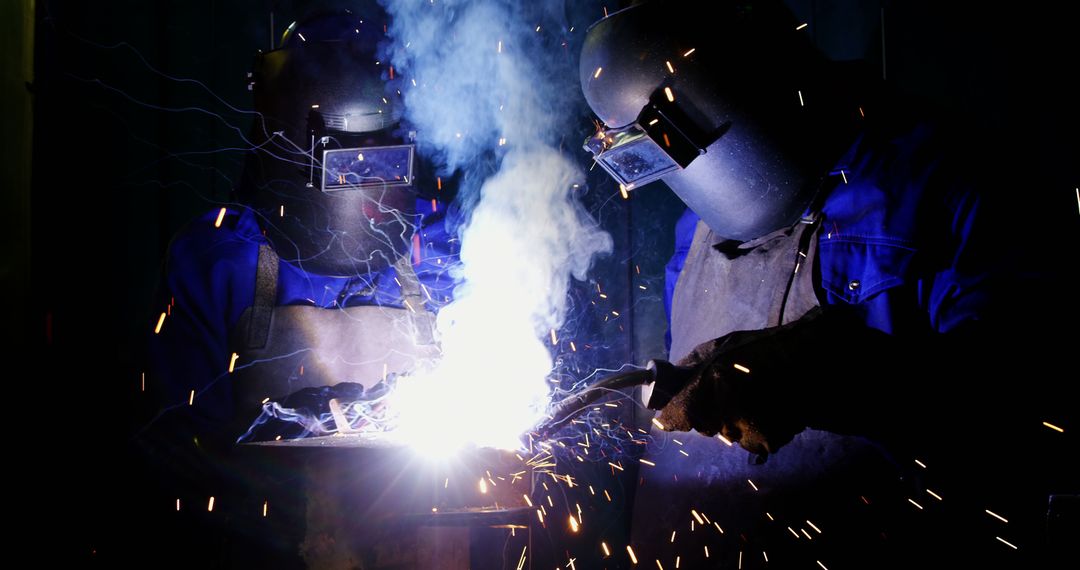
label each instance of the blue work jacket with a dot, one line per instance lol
(902, 241)
(209, 280)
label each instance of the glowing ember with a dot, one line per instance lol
(1053, 427)
(573, 524)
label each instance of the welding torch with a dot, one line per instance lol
(661, 381)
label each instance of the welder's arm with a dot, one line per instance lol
(826, 371)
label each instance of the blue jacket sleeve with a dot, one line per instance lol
(684, 237)
(207, 283)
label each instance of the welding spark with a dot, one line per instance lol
(742, 368)
(483, 485)
(920, 464)
(687, 54)
(266, 505)
(934, 495)
(813, 526)
(721, 437)
(670, 95)
(740, 560)
(281, 211)
(793, 533)
(801, 103)
(232, 362)
(301, 36)
(659, 565)
(1009, 544)
(220, 218)
(803, 530)
(521, 561)
(177, 505)
(622, 190)
(1047, 424)
(801, 26)
(191, 398)
(573, 524)
(606, 495)
(844, 176)
(916, 504)
(669, 66)
(647, 462)
(752, 484)
(630, 551)
(604, 547)
(996, 516)
(706, 552)
(160, 321)
(210, 505)
(697, 516)
(770, 516)
(499, 49)
(766, 556)
(597, 74)
(657, 423)
(554, 339)
(677, 559)
(822, 565)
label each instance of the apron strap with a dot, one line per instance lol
(266, 278)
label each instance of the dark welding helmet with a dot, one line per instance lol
(333, 172)
(714, 104)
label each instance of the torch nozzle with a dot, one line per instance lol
(664, 378)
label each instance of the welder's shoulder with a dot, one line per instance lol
(222, 240)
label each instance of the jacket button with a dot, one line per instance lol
(853, 285)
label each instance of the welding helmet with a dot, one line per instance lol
(713, 104)
(332, 173)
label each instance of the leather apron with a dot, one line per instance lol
(725, 288)
(283, 349)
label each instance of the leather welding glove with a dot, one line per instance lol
(761, 388)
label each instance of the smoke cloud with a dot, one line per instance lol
(489, 86)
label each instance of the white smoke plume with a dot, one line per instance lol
(492, 81)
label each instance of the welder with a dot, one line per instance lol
(833, 271)
(327, 269)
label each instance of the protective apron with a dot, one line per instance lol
(726, 287)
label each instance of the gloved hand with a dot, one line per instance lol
(739, 392)
(758, 388)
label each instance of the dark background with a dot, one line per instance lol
(118, 120)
